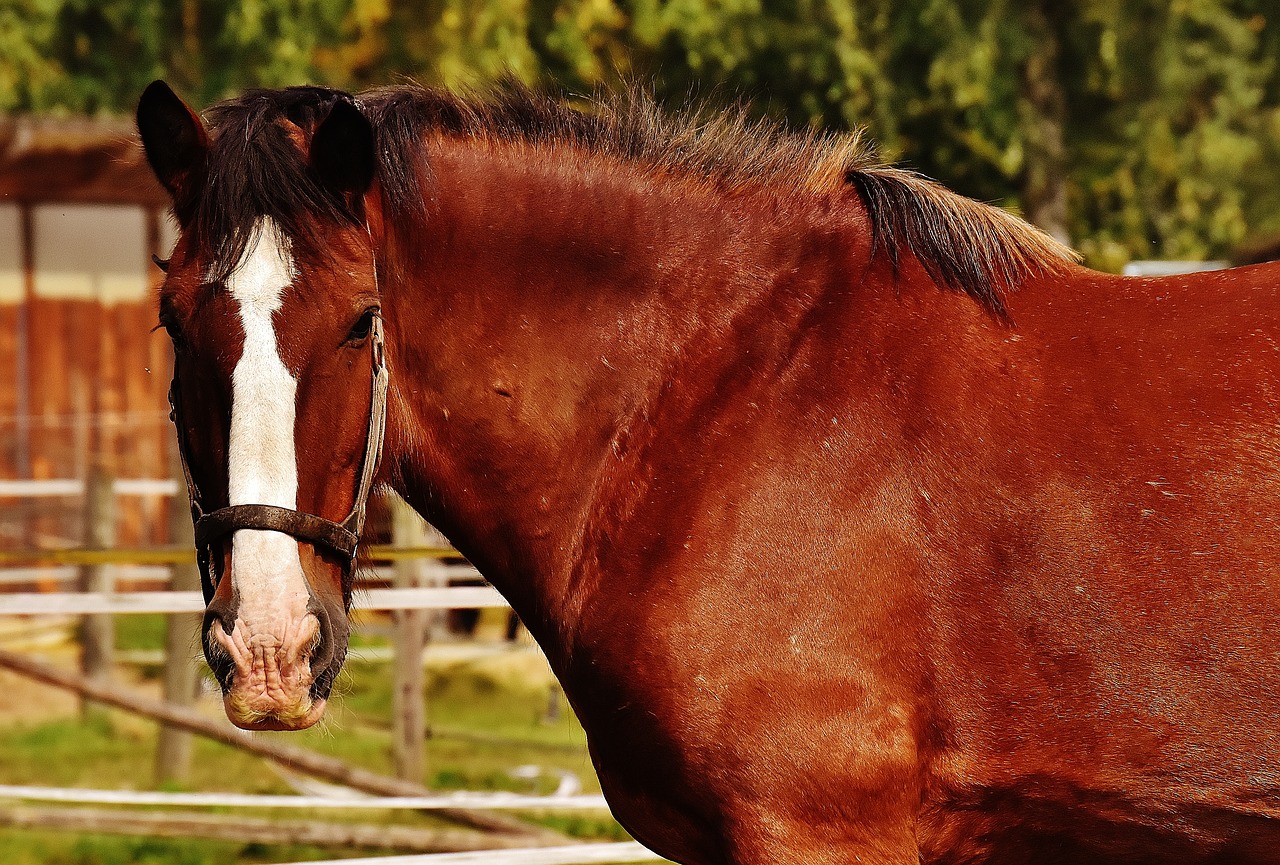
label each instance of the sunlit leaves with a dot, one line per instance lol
(28, 73)
(1160, 118)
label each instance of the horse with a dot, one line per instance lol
(859, 521)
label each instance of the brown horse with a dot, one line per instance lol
(859, 523)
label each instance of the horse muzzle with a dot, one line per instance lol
(275, 666)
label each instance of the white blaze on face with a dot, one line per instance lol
(262, 462)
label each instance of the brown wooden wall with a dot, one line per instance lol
(89, 385)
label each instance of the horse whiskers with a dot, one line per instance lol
(314, 643)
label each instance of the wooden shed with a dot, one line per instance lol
(82, 377)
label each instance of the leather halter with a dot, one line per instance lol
(341, 537)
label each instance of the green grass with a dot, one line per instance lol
(50, 848)
(487, 716)
(145, 631)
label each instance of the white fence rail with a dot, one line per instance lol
(91, 603)
(61, 487)
(576, 854)
(162, 573)
(460, 799)
(71, 573)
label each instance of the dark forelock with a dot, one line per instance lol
(256, 169)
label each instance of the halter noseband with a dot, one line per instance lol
(340, 537)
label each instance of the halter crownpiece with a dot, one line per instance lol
(340, 537)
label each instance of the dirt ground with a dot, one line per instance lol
(21, 699)
(25, 701)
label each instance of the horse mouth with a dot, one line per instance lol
(267, 675)
(246, 717)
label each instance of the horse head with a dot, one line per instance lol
(272, 301)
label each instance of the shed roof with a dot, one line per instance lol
(75, 159)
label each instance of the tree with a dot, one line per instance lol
(28, 72)
(95, 56)
(1138, 129)
(1133, 128)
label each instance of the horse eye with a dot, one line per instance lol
(162, 263)
(364, 324)
(175, 333)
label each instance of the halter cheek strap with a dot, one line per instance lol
(341, 537)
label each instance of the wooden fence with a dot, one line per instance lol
(502, 848)
(413, 563)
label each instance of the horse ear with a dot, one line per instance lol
(173, 137)
(343, 150)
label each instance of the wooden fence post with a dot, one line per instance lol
(408, 708)
(181, 671)
(98, 632)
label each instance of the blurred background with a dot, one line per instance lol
(1137, 131)
(1143, 129)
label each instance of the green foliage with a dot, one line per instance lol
(27, 28)
(94, 56)
(582, 826)
(1181, 122)
(1155, 121)
(1168, 109)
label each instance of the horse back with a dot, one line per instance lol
(1026, 565)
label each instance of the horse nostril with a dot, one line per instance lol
(329, 650)
(224, 669)
(222, 612)
(320, 652)
(222, 615)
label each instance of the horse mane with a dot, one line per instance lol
(963, 244)
(255, 168)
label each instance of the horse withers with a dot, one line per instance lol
(859, 522)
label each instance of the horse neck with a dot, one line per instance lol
(546, 319)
